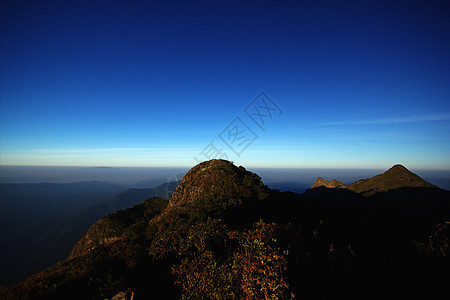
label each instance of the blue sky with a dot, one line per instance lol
(362, 84)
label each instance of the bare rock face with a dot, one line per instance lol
(211, 189)
(217, 180)
(319, 182)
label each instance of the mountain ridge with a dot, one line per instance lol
(395, 177)
(52, 239)
(223, 230)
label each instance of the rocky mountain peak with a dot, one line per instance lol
(216, 179)
(320, 182)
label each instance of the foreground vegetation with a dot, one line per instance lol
(224, 235)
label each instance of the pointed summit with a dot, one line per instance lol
(397, 169)
(395, 178)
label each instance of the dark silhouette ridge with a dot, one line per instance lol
(333, 242)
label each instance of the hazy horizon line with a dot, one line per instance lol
(247, 167)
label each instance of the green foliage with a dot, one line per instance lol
(100, 272)
(251, 266)
(210, 190)
(204, 277)
(130, 223)
(167, 234)
(258, 264)
(437, 244)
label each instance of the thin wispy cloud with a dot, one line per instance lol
(105, 150)
(102, 156)
(392, 120)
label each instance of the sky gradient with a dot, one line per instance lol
(362, 84)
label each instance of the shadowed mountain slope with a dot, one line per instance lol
(224, 234)
(52, 239)
(124, 223)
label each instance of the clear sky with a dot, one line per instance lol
(362, 84)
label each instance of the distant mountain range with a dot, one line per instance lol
(224, 234)
(40, 223)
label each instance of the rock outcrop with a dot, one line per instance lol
(328, 184)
